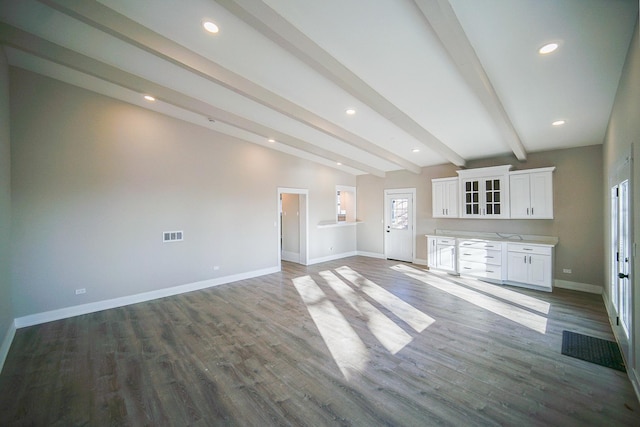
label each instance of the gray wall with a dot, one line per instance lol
(578, 216)
(623, 138)
(6, 307)
(96, 181)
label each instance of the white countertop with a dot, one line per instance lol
(497, 237)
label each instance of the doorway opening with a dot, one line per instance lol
(400, 224)
(293, 230)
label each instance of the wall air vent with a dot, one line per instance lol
(172, 236)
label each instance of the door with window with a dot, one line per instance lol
(399, 215)
(621, 292)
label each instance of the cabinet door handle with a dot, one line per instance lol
(525, 259)
(527, 211)
(531, 211)
(529, 259)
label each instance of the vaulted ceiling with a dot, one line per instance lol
(430, 81)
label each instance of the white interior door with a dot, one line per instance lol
(399, 224)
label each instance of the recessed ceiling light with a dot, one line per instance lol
(149, 98)
(271, 140)
(210, 27)
(350, 111)
(338, 163)
(559, 122)
(416, 150)
(547, 48)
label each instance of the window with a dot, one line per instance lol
(399, 214)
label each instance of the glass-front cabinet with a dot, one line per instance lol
(485, 192)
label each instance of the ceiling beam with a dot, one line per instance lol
(39, 47)
(105, 19)
(272, 25)
(443, 21)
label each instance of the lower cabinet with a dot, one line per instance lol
(442, 254)
(520, 264)
(530, 264)
(481, 258)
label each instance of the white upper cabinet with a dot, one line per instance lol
(445, 197)
(532, 193)
(485, 192)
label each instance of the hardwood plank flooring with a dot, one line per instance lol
(356, 341)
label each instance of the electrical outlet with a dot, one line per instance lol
(81, 291)
(216, 267)
(566, 270)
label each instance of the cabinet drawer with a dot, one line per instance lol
(529, 249)
(446, 241)
(485, 256)
(481, 270)
(480, 244)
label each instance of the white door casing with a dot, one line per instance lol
(399, 224)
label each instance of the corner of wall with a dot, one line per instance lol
(7, 324)
(6, 344)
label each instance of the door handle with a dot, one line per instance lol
(623, 276)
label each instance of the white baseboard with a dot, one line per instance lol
(418, 261)
(635, 381)
(63, 313)
(291, 256)
(6, 343)
(576, 286)
(332, 257)
(371, 254)
(632, 373)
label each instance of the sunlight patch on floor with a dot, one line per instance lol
(390, 335)
(516, 314)
(346, 347)
(506, 294)
(408, 313)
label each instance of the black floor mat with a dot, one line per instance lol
(591, 349)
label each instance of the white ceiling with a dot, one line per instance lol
(456, 79)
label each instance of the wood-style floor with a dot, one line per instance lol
(351, 342)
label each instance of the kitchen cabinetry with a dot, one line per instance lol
(530, 264)
(485, 192)
(527, 262)
(531, 193)
(445, 197)
(442, 253)
(481, 258)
